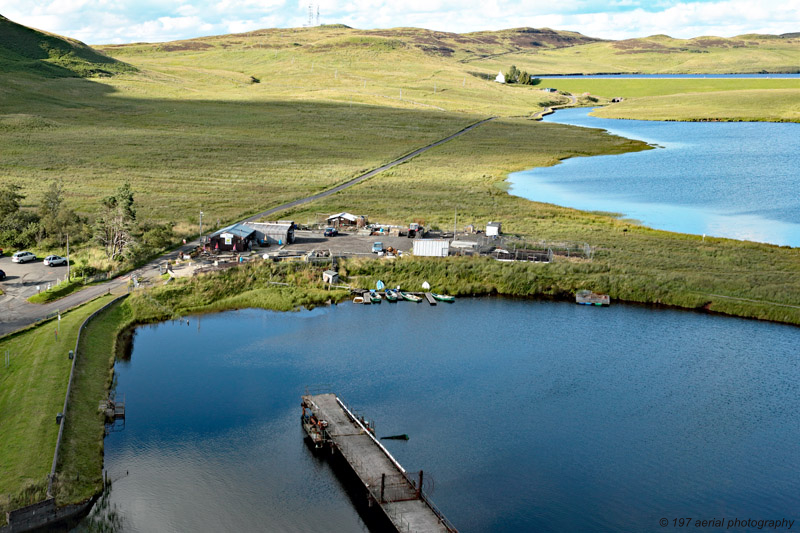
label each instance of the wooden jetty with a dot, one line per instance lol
(430, 298)
(329, 423)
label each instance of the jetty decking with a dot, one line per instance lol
(330, 423)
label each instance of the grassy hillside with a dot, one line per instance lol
(660, 54)
(26, 50)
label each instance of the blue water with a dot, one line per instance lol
(727, 179)
(528, 416)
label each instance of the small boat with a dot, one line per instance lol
(444, 297)
(374, 297)
(586, 297)
(410, 297)
(390, 295)
(358, 300)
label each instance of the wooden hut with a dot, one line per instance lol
(235, 238)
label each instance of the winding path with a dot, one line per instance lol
(17, 313)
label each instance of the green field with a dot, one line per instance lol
(32, 391)
(775, 105)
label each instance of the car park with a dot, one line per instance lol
(331, 232)
(54, 260)
(23, 257)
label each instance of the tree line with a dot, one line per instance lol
(115, 228)
(515, 75)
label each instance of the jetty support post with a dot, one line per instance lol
(419, 488)
(383, 486)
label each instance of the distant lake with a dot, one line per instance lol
(528, 416)
(727, 179)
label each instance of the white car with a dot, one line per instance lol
(23, 257)
(53, 260)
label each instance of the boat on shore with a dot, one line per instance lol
(443, 297)
(410, 297)
(586, 297)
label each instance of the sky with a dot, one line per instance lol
(126, 21)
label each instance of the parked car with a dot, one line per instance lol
(23, 257)
(377, 247)
(53, 260)
(331, 232)
(2, 275)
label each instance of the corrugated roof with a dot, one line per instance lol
(344, 215)
(239, 230)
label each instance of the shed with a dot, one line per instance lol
(493, 229)
(431, 247)
(237, 238)
(346, 219)
(330, 277)
(281, 232)
(500, 77)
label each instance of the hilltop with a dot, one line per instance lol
(27, 50)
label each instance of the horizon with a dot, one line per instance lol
(98, 22)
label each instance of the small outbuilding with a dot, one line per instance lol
(330, 277)
(501, 78)
(346, 219)
(493, 229)
(235, 238)
(431, 247)
(281, 232)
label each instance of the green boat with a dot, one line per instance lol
(374, 297)
(390, 295)
(411, 297)
(443, 297)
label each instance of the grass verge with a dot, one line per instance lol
(65, 288)
(80, 466)
(32, 390)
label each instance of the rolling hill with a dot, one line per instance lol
(27, 50)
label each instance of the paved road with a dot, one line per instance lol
(16, 312)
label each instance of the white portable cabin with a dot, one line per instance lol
(493, 229)
(500, 77)
(431, 247)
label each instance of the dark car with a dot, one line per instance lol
(2, 275)
(330, 232)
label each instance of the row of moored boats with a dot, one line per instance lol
(394, 295)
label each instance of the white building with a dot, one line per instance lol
(501, 78)
(431, 247)
(493, 229)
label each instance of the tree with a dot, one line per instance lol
(9, 200)
(52, 199)
(114, 226)
(18, 228)
(524, 78)
(512, 75)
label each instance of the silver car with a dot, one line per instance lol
(23, 257)
(53, 260)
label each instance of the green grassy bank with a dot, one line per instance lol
(32, 390)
